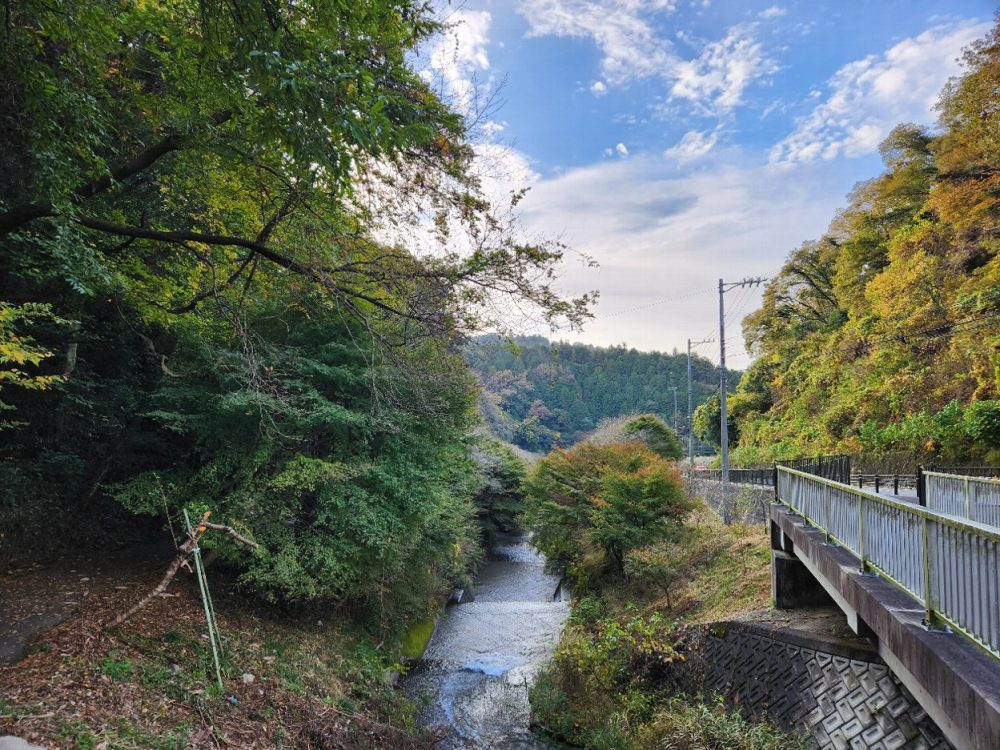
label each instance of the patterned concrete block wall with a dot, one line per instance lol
(839, 691)
(746, 503)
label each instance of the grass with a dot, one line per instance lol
(604, 692)
(729, 575)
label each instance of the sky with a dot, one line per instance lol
(677, 142)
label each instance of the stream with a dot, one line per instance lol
(472, 683)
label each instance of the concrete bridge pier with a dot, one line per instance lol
(792, 583)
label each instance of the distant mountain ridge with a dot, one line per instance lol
(539, 394)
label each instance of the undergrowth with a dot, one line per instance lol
(612, 685)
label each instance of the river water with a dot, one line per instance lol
(472, 683)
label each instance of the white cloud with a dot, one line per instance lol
(598, 88)
(621, 150)
(693, 145)
(868, 97)
(719, 76)
(775, 11)
(658, 233)
(458, 54)
(502, 169)
(633, 48)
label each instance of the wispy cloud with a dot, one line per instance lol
(868, 97)
(694, 144)
(660, 233)
(775, 11)
(458, 55)
(598, 88)
(716, 80)
(633, 48)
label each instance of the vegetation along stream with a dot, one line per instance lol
(474, 676)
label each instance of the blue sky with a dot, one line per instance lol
(680, 141)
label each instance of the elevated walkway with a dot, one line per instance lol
(925, 587)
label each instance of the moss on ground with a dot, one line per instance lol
(416, 638)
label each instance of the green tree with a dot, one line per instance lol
(654, 432)
(499, 499)
(707, 422)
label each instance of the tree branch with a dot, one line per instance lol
(183, 552)
(19, 216)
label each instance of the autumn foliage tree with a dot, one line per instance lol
(591, 504)
(884, 335)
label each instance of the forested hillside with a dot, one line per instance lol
(198, 306)
(884, 334)
(539, 394)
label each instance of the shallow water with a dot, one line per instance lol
(473, 681)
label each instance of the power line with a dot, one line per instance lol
(933, 332)
(662, 301)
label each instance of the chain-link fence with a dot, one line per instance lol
(735, 503)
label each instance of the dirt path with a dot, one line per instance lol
(37, 596)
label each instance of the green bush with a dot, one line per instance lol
(654, 432)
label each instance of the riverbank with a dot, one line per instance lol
(289, 681)
(610, 684)
(471, 686)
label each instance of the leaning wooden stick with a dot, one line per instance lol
(183, 552)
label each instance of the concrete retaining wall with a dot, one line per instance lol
(746, 503)
(839, 691)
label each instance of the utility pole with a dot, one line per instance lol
(723, 416)
(690, 413)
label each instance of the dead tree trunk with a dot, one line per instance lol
(183, 552)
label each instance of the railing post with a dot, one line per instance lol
(895, 484)
(877, 477)
(826, 511)
(926, 564)
(921, 487)
(968, 500)
(861, 533)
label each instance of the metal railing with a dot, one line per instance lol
(964, 471)
(950, 565)
(975, 498)
(882, 482)
(837, 468)
(762, 476)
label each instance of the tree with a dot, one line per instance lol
(707, 422)
(189, 150)
(654, 432)
(499, 500)
(882, 336)
(602, 500)
(268, 239)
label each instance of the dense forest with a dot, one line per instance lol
(208, 303)
(884, 334)
(539, 394)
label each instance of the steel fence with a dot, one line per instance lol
(964, 471)
(950, 565)
(761, 477)
(975, 498)
(837, 468)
